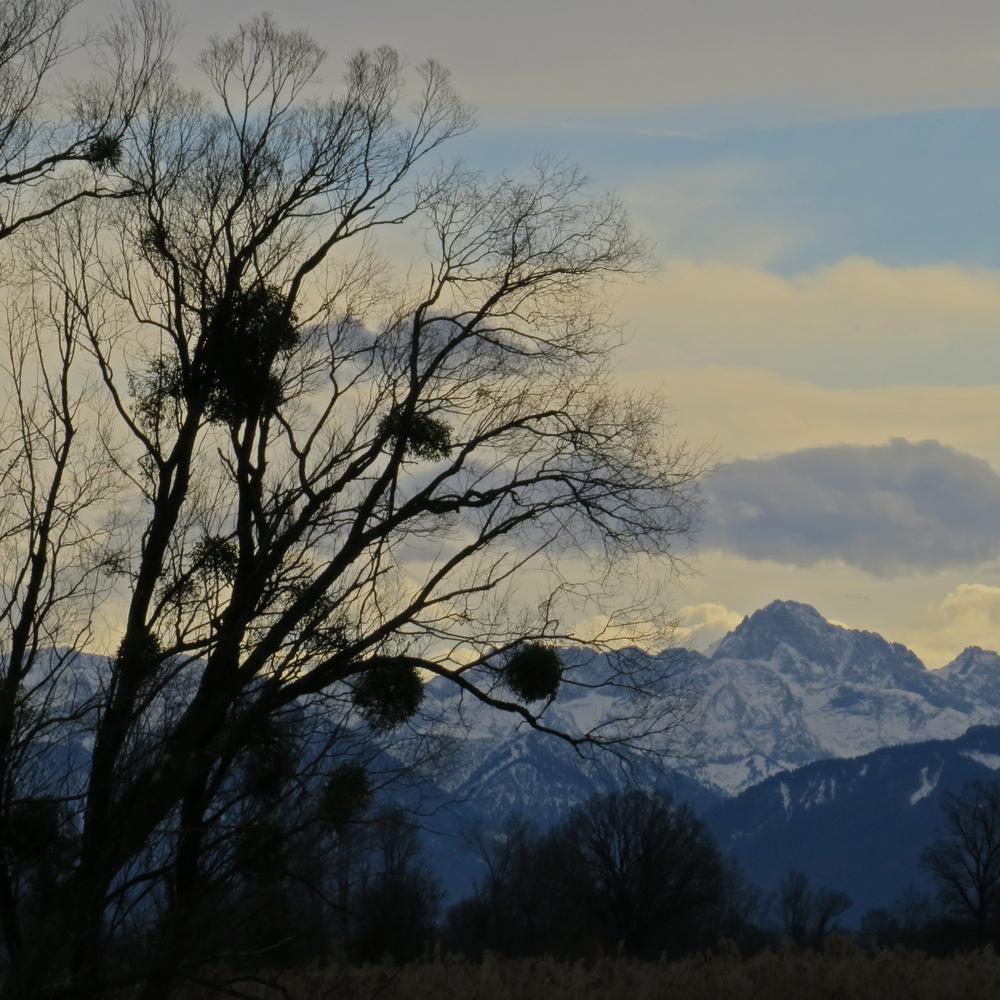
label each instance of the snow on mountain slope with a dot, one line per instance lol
(783, 689)
(786, 687)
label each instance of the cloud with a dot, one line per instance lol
(889, 510)
(751, 413)
(703, 624)
(969, 615)
(854, 324)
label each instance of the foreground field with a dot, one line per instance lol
(841, 973)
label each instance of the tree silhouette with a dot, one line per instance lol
(805, 914)
(630, 870)
(966, 863)
(641, 867)
(305, 488)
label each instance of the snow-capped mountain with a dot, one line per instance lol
(783, 689)
(502, 767)
(786, 687)
(978, 671)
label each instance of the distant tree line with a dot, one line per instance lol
(637, 873)
(324, 870)
(633, 872)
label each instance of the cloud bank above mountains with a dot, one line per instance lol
(889, 510)
(856, 324)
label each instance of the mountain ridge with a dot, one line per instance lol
(786, 687)
(858, 824)
(783, 689)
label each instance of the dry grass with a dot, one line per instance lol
(842, 972)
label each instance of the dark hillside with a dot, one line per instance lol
(858, 825)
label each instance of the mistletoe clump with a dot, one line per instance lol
(104, 152)
(388, 694)
(246, 338)
(423, 436)
(533, 672)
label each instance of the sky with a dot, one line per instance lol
(820, 181)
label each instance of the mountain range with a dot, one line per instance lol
(783, 689)
(823, 749)
(787, 687)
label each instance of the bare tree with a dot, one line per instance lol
(58, 148)
(805, 913)
(828, 904)
(966, 863)
(515, 907)
(47, 130)
(795, 905)
(627, 871)
(336, 486)
(398, 901)
(740, 905)
(646, 870)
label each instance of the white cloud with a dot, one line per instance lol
(969, 615)
(703, 624)
(854, 324)
(889, 510)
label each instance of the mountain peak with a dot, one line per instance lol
(797, 607)
(974, 660)
(788, 623)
